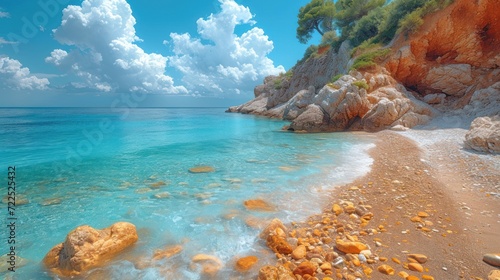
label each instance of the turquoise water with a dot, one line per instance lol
(98, 166)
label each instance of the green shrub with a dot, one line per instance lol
(368, 26)
(336, 77)
(410, 23)
(328, 38)
(278, 84)
(396, 11)
(369, 59)
(361, 84)
(333, 86)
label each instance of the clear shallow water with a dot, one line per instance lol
(101, 166)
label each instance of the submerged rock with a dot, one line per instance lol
(201, 169)
(246, 263)
(86, 247)
(258, 205)
(210, 265)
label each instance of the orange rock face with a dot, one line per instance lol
(86, 247)
(457, 50)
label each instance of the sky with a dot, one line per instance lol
(160, 53)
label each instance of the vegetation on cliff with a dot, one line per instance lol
(365, 23)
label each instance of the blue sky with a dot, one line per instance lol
(169, 53)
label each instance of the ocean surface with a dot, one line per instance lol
(81, 166)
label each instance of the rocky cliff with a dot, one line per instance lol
(456, 52)
(451, 63)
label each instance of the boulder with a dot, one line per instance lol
(368, 101)
(298, 104)
(484, 135)
(86, 247)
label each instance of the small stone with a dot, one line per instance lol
(415, 267)
(418, 257)
(299, 252)
(403, 274)
(416, 219)
(386, 269)
(412, 277)
(350, 247)
(304, 268)
(492, 259)
(494, 275)
(337, 209)
(423, 214)
(326, 266)
(244, 264)
(428, 277)
(396, 260)
(201, 169)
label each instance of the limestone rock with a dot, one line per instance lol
(297, 105)
(86, 247)
(434, 98)
(345, 105)
(484, 135)
(492, 259)
(244, 264)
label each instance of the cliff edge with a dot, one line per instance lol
(452, 64)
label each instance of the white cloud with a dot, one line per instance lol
(4, 14)
(14, 76)
(5, 42)
(104, 54)
(231, 63)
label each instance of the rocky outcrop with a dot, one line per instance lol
(86, 247)
(310, 75)
(484, 135)
(358, 101)
(456, 52)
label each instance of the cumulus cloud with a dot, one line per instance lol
(14, 76)
(4, 14)
(103, 52)
(228, 63)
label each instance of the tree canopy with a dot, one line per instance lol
(316, 16)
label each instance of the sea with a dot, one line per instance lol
(99, 166)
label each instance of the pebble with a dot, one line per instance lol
(415, 267)
(418, 257)
(299, 252)
(386, 269)
(492, 259)
(246, 263)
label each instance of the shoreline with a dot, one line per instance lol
(461, 222)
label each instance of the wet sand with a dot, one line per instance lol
(454, 192)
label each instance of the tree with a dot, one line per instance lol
(349, 11)
(315, 16)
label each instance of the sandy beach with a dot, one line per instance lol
(431, 198)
